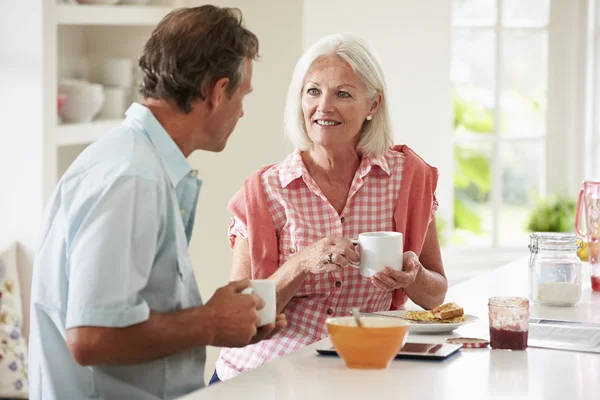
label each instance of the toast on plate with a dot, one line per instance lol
(449, 313)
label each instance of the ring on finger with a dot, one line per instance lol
(330, 258)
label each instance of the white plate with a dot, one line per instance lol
(428, 327)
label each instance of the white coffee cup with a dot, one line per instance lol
(117, 72)
(378, 250)
(265, 289)
(115, 102)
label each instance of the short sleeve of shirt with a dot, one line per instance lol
(110, 251)
(236, 228)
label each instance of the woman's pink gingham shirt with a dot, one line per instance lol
(303, 215)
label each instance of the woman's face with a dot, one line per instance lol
(334, 102)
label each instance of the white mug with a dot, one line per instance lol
(265, 289)
(378, 250)
(115, 102)
(117, 72)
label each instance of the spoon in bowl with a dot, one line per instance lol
(356, 314)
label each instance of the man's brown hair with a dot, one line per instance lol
(191, 49)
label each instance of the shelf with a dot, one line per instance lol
(74, 14)
(85, 133)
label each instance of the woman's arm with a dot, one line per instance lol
(289, 277)
(430, 286)
(314, 259)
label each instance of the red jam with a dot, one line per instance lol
(596, 283)
(508, 340)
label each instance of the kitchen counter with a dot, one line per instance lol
(473, 373)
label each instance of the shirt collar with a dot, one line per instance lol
(292, 167)
(175, 163)
(367, 163)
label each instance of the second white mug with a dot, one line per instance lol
(378, 250)
(265, 289)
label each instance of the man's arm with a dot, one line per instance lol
(228, 319)
(161, 335)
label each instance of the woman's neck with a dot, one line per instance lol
(332, 165)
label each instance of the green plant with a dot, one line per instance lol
(553, 214)
(472, 176)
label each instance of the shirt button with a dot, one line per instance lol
(338, 284)
(182, 211)
(194, 173)
(329, 311)
(342, 219)
(292, 250)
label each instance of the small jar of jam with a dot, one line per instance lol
(509, 322)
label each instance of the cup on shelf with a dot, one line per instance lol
(115, 102)
(60, 102)
(83, 100)
(117, 72)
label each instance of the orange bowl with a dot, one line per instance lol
(372, 346)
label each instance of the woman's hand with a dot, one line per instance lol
(389, 279)
(329, 254)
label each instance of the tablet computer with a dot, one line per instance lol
(427, 351)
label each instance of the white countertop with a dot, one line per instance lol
(474, 373)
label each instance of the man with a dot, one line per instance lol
(116, 312)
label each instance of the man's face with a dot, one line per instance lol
(231, 110)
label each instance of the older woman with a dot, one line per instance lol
(292, 221)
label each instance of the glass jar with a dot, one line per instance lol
(509, 322)
(554, 269)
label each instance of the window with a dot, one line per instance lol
(500, 93)
(593, 70)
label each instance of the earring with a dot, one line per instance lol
(369, 118)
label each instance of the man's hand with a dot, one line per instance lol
(234, 315)
(270, 330)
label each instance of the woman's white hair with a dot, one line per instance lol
(376, 135)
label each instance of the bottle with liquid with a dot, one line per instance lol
(554, 269)
(587, 226)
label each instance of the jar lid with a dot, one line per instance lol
(552, 241)
(469, 343)
(508, 301)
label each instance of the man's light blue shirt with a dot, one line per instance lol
(113, 246)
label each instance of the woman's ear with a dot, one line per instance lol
(375, 104)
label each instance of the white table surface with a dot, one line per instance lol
(474, 373)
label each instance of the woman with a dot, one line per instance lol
(292, 221)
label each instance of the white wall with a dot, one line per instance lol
(21, 143)
(413, 41)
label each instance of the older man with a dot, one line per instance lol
(116, 311)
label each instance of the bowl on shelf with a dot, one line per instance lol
(99, 2)
(135, 2)
(83, 100)
(371, 346)
(60, 102)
